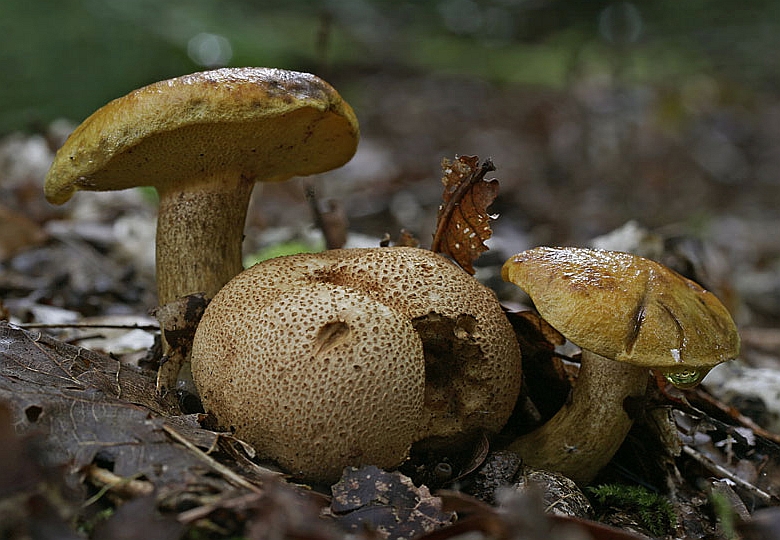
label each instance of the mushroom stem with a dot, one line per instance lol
(199, 236)
(586, 432)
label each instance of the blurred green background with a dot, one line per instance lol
(65, 58)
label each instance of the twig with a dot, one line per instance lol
(324, 38)
(333, 227)
(714, 468)
(145, 327)
(229, 475)
(127, 488)
(200, 512)
(735, 414)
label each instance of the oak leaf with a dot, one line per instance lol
(463, 223)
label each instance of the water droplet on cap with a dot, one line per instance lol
(685, 378)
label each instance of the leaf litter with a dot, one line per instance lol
(93, 418)
(87, 434)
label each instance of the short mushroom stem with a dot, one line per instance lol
(199, 236)
(586, 432)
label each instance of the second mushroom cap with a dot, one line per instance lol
(628, 308)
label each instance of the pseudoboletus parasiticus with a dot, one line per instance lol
(203, 140)
(628, 315)
(349, 356)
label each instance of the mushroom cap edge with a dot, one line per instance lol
(179, 129)
(625, 307)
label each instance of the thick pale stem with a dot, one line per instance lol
(587, 431)
(200, 230)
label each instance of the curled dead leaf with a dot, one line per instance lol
(463, 223)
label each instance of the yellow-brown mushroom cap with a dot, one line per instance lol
(626, 308)
(261, 123)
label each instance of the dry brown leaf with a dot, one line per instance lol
(178, 320)
(463, 223)
(405, 238)
(385, 504)
(86, 407)
(17, 233)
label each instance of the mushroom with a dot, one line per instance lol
(203, 140)
(350, 356)
(628, 315)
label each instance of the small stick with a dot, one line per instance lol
(734, 413)
(200, 512)
(229, 475)
(331, 222)
(713, 467)
(127, 488)
(146, 327)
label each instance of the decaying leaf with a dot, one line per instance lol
(388, 503)
(138, 519)
(278, 510)
(764, 523)
(88, 408)
(178, 321)
(463, 222)
(405, 238)
(519, 514)
(546, 383)
(33, 496)
(17, 233)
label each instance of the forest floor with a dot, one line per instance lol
(690, 181)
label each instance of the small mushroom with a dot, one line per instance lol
(349, 356)
(203, 140)
(628, 315)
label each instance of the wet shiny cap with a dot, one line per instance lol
(263, 124)
(627, 308)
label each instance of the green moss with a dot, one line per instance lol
(88, 526)
(724, 513)
(652, 511)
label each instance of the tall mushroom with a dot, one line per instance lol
(349, 356)
(628, 315)
(203, 140)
